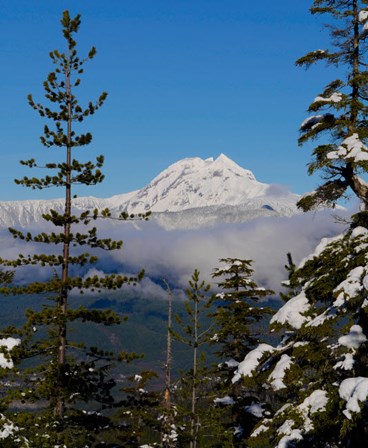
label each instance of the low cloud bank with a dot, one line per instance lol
(277, 190)
(173, 255)
(266, 241)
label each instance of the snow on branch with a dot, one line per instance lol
(277, 376)
(309, 122)
(292, 312)
(334, 98)
(6, 345)
(363, 15)
(251, 361)
(350, 287)
(353, 391)
(354, 338)
(351, 149)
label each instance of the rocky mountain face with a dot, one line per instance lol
(190, 193)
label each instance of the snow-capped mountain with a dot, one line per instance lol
(190, 193)
(193, 182)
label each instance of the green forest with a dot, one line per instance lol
(236, 365)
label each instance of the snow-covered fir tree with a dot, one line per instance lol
(237, 315)
(317, 377)
(339, 120)
(319, 371)
(237, 310)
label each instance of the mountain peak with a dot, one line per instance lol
(226, 163)
(223, 158)
(194, 182)
(192, 185)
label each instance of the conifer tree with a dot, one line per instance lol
(317, 377)
(237, 317)
(194, 336)
(138, 413)
(67, 382)
(291, 289)
(237, 310)
(339, 120)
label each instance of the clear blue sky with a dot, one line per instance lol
(185, 78)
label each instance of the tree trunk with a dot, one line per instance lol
(167, 393)
(355, 63)
(193, 422)
(167, 417)
(63, 303)
(356, 184)
(359, 187)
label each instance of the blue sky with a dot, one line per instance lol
(185, 78)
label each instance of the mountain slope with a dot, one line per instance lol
(212, 189)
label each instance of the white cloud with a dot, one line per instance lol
(277, 190)
(175, 254)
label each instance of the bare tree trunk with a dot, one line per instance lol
(168, 417)
(193, 423)
(237, 356)
(167, 393)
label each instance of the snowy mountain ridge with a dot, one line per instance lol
(190, 192)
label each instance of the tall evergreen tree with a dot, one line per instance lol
(66, 382)
(319, 371)
(339, 120)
